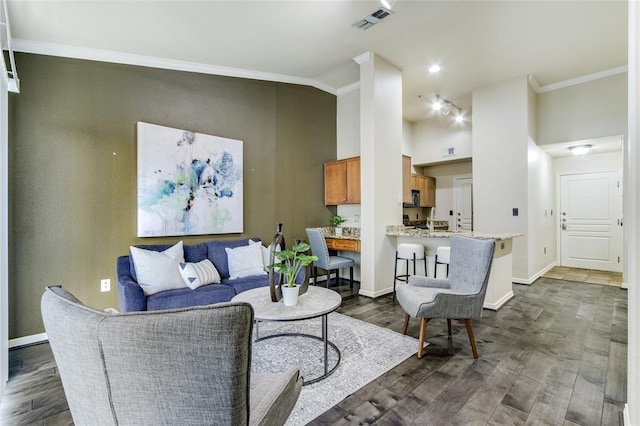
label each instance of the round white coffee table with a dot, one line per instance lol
(316, 302)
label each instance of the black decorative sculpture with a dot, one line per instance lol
(276, 279)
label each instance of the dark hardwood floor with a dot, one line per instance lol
(553, 355)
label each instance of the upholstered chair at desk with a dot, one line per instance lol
(325, 261)
(176, 367)
(460, 296)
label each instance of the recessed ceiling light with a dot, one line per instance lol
(434, 68)
(437, 105)
(459, 118)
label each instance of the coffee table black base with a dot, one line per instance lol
(327, 371)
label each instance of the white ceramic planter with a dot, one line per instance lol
(290, 295)
(338, 231)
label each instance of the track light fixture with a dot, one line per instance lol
(448, 108)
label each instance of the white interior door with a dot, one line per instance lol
(591, 221)
(463, 209)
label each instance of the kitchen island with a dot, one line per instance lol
(499, 289)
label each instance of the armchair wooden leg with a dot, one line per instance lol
(406, 324)
(449, 326)
(472, 339)
(423, 331)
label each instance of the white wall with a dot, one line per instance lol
(584, 111)
(348, 124)
(632, 220)
(541, 231)
(500, 164)
(348, 145)
(605, 162)
(381, 170)
(407, 138)
(541, 236)
(431, 136)
(445, 175)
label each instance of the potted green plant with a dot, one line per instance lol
(289, 263)
(336, 221)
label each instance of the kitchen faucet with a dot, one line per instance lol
(432, 215)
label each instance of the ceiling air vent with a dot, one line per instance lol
(372, 18)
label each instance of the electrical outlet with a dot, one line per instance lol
(105, 285)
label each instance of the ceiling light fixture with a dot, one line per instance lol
(388, 3)
(434, 68)
(447, 108)
(580, 149)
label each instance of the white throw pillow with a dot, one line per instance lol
(266, 253)
(245, 261)
(199, 274)
(158, 271)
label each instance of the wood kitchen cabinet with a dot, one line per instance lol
(342, 181)
(427, 191)
(427, 187)
(406, 179)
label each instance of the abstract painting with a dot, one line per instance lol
(188, 183)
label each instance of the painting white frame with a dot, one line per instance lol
(188, 183)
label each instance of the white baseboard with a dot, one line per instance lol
(28, 340)
(497, 305)
(531, 280)
(374, 294)
(625, 415)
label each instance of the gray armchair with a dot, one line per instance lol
(328, 263)
(183, 366)
(460, 296)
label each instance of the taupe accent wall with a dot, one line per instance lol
(72, 161)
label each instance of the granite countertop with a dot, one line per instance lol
(348, 233)
(407, 231)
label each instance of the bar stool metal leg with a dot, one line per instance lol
(408, 252)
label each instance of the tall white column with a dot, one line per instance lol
(380, 169)
(632, 220)
(500, 164)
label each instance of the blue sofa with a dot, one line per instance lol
(132, 298)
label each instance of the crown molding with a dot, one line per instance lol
(363, 57)
(75, 52)
(579, 80)
(348, 88)
(534, 83)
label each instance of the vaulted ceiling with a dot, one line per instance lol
(477, 43)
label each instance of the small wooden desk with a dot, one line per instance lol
(343, 244)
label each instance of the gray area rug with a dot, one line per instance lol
(367, 350)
